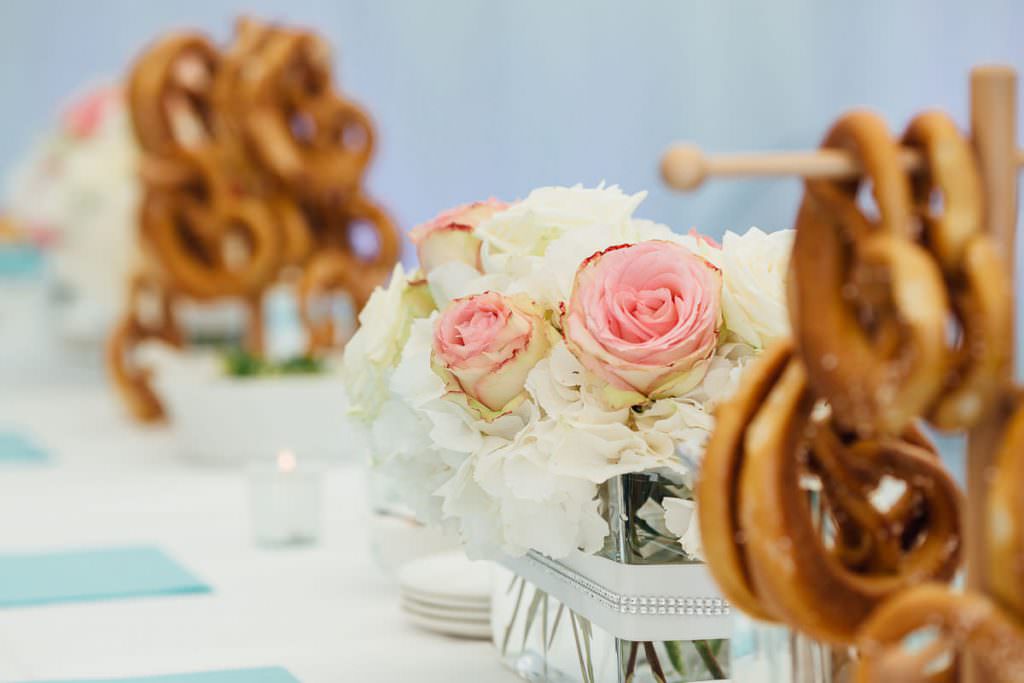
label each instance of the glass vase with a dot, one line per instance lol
(640, 610)
(771, 652)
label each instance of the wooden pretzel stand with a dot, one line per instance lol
(891, 594)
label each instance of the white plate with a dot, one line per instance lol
(447, 600)
(476, 631)
(475, 615)
(446, 577)
(456, 605)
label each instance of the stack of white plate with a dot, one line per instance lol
(448, 594)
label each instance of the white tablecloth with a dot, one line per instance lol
(326, 613)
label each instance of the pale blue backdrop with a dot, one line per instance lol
(485, 97)
(488, 97)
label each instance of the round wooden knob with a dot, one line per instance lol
(683, 166)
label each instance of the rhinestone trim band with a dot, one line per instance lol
(667, 605)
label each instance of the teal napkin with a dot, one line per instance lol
(18, 449)
(271, 675)
(20, 260)
(84, 575)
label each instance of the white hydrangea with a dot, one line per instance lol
(373, 351)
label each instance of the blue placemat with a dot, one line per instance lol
(84, 575)
(19, 449)
(20, 260)
(270, 675)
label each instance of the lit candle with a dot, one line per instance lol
(285, 501)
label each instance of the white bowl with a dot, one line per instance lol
(224, 420)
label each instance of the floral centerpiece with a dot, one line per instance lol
(552, 369)
(76, 192)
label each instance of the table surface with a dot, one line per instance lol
(327, 613)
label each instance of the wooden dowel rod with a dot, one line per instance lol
(994, 132)
(686, 167)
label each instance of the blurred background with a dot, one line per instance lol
(474, 98)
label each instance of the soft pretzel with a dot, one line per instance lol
(136, 326)
(868, 304)
(1005, 528)
(717, 492)
(231, 251)
(332, 271)
(312, 140)
(327, 272)
(760, 535)
(958, 622)
(979, 287)
(168, 95)
(251, 166)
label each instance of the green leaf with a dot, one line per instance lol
(675, 656)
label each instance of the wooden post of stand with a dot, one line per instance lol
(994, 131)
(254, 332)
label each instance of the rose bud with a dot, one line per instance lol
(484, 347)
(449, 237)
(644, 318)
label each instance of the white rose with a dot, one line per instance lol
(754, 269)
(376, 347)
(527, 228)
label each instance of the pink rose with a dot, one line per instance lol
(484, 347)
(703, 239)
(85, 114)
(644, 318)
(449, 237)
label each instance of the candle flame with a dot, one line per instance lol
(286, 461)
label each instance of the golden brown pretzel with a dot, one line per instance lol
(867, 303)
(338, 268)
(136, 326)
(360, 210)
(310, 138)
(979, 287)
(328, 272)
(718, 486)
(230, 250)
(965, 622)
(1005, 526)
(251, 165)
(168, 93)
(866, 538)
(760, 536)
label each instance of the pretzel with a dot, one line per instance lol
(760, 537)
(313, 141)
(866, 539)
(168, 95)
(718, 485)
(232, 249)
(979, 287)
(867, 303)
(330, 271)
(339, 269)
(251, 166)
(966, 622)
(134, 328)
(1005, 528)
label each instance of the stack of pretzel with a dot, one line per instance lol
(901, 315)
(252, 167)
